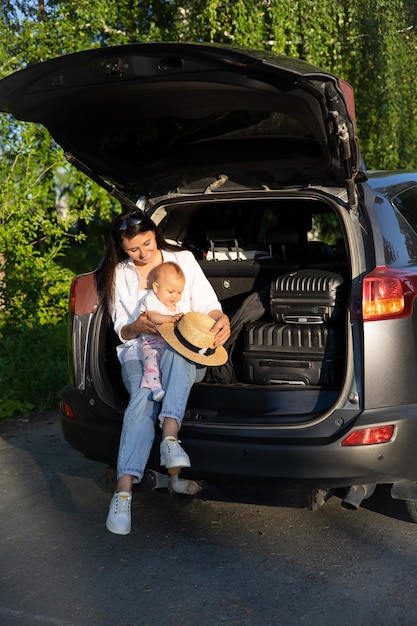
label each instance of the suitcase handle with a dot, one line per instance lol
(303, 319)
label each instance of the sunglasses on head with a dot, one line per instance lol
(134, 220)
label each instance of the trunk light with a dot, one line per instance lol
(369, 436)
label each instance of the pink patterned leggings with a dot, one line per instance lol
(152, 348)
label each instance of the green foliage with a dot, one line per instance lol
(382, 69)
(32, 368)
(34, 288)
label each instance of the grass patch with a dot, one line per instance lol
(33, 368)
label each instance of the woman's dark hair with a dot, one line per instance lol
(128, 224)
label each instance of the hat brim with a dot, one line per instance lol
(218, 358)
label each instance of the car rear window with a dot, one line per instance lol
(399, 229)
(406, 203)
(250, 221)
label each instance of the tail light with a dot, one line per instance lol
(369, 436)
(387, 293)
(71, 300)
(83, 297)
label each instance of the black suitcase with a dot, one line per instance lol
(307, 297)
(292, 354)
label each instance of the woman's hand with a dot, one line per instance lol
(146, 325)
(141, 325)
(221, 328)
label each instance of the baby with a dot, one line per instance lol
(161, 302)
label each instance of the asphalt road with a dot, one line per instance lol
(223, 557)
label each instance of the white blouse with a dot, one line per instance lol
(198, 295)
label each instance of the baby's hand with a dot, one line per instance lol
(177, 317)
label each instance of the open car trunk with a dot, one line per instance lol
(246, 158)
(282, 272)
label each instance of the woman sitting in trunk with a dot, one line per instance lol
(136, 248)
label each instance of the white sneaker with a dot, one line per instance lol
(119, 517)
(172, 454)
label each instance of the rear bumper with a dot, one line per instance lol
(325, 466)
(95, 432)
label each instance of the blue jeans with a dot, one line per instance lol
(138, 431)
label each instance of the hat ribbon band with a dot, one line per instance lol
(190, 346)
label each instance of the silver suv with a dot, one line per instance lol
(251, 161)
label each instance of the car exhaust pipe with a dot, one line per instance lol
(355, 495)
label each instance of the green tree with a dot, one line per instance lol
(382, 68)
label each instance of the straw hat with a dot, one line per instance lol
(192, 337)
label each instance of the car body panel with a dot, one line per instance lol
(320, 464)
